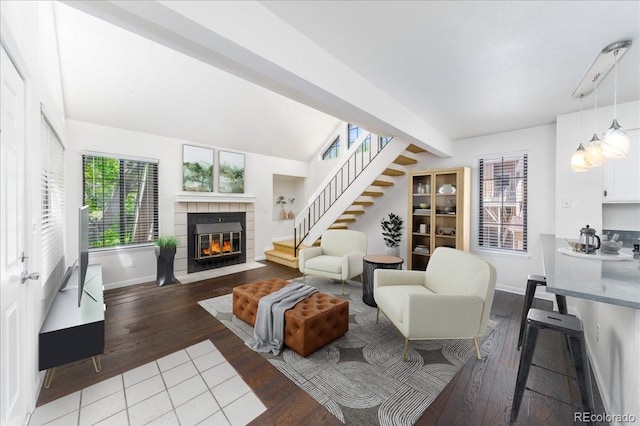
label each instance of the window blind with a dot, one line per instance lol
(52, 208)
(503, 203)
(122, 195)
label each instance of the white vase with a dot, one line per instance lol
(392, 251)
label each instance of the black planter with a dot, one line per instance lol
(165, 258)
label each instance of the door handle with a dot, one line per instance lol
(29, 276)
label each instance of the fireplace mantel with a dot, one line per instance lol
(213, 197)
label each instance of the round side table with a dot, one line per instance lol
(370, 264)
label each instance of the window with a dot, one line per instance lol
(333, 150)
(122, 195)
(383, 141)
(52, 213)
(354, 131)
(503, 203)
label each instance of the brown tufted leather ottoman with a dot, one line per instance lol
(308, 326)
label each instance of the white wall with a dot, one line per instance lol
(130, 266)
(29, 39)
(289, 187)
(539, 143)
(615, 356)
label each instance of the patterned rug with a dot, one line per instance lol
(360, 377)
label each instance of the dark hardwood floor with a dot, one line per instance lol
(145, 322)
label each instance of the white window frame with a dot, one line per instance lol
(52, 202)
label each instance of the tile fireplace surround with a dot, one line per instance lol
(186, 204)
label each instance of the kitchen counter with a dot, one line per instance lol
(613, 282)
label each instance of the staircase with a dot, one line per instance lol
(356, 184)
(376, 190)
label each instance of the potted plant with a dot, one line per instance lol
(165, 253)
(291, 214)
(282, 202)
(391, 233)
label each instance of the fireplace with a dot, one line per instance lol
(215, 240)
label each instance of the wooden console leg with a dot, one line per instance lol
(48, 377)
(97, 365)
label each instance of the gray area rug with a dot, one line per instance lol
(360, 377)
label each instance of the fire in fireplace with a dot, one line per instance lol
(215, 240)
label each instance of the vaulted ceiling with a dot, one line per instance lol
(277, 77)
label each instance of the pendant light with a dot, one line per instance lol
(615, 142)
(579, 160)
(594, 147)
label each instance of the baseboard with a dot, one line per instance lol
(127, 283)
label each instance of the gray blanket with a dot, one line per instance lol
(268, 333)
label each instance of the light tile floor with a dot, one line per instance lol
(194, 386)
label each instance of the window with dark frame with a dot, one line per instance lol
(384, 140)
(333, 150)
(354, 132)
(122, 195)
(503, 203)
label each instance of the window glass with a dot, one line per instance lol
(122, 195)
(503, 203)
(333, 150)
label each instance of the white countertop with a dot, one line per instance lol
(617, 283)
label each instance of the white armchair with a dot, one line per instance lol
(450, 300)
(339, 256)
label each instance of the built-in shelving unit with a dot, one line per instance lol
(439, 213)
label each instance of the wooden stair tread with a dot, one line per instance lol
(415, 149)
(405, 161)
(393, 172)
(355, 212)
(338, 226)
(345, 220)
(381, 183)
(373, 194)
(362, 203)
(280, 254)
(281, 258)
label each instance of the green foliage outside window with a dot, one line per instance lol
(122, 199)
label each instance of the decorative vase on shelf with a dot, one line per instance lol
(291, 214)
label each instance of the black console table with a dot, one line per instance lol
(70, 333)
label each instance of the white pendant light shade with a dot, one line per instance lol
(594, 151)
(615, 142)
(579, 160)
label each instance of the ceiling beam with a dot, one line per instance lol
(247, 40)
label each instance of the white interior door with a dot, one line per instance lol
(13, 407)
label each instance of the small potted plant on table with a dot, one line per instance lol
(165, 253)
(391, 233)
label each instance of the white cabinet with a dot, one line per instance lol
(622, 176)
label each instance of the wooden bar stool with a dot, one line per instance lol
(571, 327)
(533, 281)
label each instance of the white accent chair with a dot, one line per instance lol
(450, 300)
(339, 256)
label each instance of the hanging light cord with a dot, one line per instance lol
(595, 105)
(615, 84)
